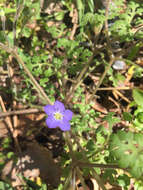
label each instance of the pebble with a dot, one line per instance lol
(119, 65)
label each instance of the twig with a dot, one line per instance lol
(115, 102)
(69, 143)
(9, 124)
(122, 96)
(109, 48)
(106, 23)
(101, 79)
(95, 52)
(99, 181)
(7, 118)
(80, 77)
(95, 165)
(17, 14)
(67, 182)
(81, 178)
(20, 112)
(3, 19)
(118, 88)
(74, 15)
(39, 89)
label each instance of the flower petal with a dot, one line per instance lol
(59, 106)
(51, 122)
(64, 126)
(49, 109)
(68, 115)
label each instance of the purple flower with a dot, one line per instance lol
(58, 116)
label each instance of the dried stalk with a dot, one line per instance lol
(20, 112)
(39, 89)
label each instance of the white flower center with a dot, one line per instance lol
(58, 116)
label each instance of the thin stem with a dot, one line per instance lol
(119, 88)
(101, 79)
(67, 182)
(69, 143)
(109, 48)
(105, 166)
(39, 89)
(81, 178)
(9, 124)
(20, 112)
(86, 161)
(19, 9)
(106, 22)
(99, 181)
(3, 19)
(80, 77)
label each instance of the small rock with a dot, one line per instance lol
(119, 65)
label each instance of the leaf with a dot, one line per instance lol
(9, 10)
(80, 7)
(111, 120)
(138, 96)
(90, 145)
(48, 72)
(140, 117)
(26, 32)
(127, 116)
(10, 155)
(127, 149)
(4, 186)
(91, 5)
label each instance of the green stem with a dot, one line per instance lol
(99, 181)
(102, 78)
(80, 77)
(69, 143)
(95, 165)
(67, 182)
(81, 178)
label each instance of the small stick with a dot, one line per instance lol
(9, 124)
(80, 78)
(81, 178)
(99, 181)
(7, 119)
(102, 78)
(115, 102)
(39, 89)
(20, 112)
(118, 88)
(19, 8)
(95, 165)
(122, 96)
(74, 15)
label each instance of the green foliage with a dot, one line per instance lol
(127, 149)
(138, 97)
(43, 41)
(123, 26)
(111, 120)
(4, 186)
(138, 185)
(124, 181)
(138, 118)
(5, 156)
(127, 116)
